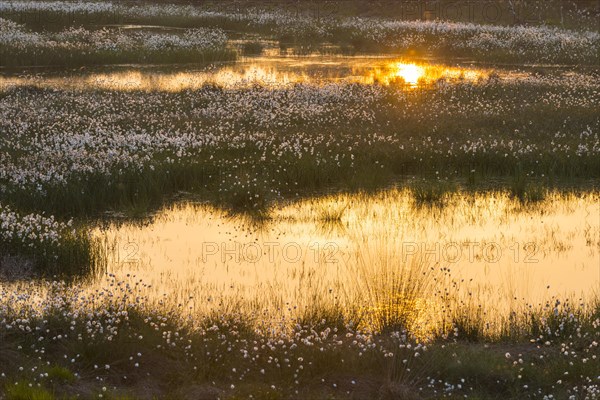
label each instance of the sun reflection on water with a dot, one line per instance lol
(411, 73)
(269, 72)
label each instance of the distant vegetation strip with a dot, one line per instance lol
(79, 46)
(493, 43)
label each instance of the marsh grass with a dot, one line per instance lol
(470, 324)
(252, 48)
(432, 194)
(307, 33)
(572, 16)
(232, 356)
(60, 375)
(331, 213)
(325, 316)
(524, 190)
(42, 57)
(240, 177)
(393, 290)
(74, 256)
(23, 391)
(134, 192)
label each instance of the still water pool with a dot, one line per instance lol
(358, 252)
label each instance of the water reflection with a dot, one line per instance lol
(410, 73)
(265, 71)
(485, 250)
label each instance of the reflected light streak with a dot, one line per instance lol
(266, 72)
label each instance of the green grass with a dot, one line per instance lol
(22, 391)
(45, 57)
(60, 375)
(209, 360)
(243, 178)
(528, 11)
(320, 28)
(73, 256)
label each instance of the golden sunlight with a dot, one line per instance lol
(411, 73)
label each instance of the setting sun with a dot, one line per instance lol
(411, 73)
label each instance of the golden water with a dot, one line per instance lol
(506, 254)
(265, 71)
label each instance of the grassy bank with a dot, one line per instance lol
(531, 12)
(42, 57)
(75, 47)
(45, 245)
(244, 148)
(114, 344)
(441, 36)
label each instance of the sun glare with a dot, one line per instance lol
(411, 73)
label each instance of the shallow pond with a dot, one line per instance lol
(362, 251)
(280, 70)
